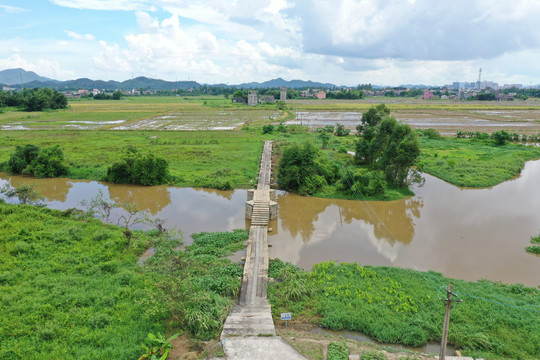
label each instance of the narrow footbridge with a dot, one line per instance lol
(248, 332)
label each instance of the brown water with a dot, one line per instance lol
(463, 233)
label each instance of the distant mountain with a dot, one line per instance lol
(290, 84)
(13, 77)
(32, 80)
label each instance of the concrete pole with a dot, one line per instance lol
(446, 320)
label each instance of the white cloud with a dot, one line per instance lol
(12, 9)
(78, 36)
(104, 4)
(456, 30)
(42, 66)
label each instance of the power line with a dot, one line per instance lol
(371, 213)
(376, 220)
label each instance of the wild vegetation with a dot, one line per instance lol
(86, 297)
(140, 169)
(42, 163)
(396, 305)
(385, 151)
(535, 247)
(473, 162)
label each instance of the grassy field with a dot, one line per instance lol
(473, 163)
(141, 113)
(71, 289)
(229, 159)
(196, 158)
(401, 306)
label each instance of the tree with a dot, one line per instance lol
(384, 144)
(240, 94)
(304, 170)
(117, 95)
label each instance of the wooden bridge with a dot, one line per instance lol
(248, 332)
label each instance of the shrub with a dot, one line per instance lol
(49, 163)
(304, 170)
(337, 351)
(341, 131)
(22, 157)
(42, 163)
(137, 168)
(363, 181)
(268, 129)
(500, 137)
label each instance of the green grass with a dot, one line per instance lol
(395, 305)
(196, 158)
(70, 289)
(473, 163)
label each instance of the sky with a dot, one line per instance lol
(344, 42)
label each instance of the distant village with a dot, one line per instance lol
(480, 90)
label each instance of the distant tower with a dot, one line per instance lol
(253, 98)
(283, 93)
(479, 82)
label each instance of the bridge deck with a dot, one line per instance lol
(253, 316)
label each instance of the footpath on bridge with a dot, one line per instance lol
(249, 332)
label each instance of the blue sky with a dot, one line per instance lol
(345, 42)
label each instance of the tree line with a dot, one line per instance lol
(33, 99)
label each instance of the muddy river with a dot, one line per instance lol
(463, 233)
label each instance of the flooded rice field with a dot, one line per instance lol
(197, 120)
(444, 121)
(464, 233)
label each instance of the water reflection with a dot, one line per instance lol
(463, 233)
(56, 189)
(187, 209)
(148, 198)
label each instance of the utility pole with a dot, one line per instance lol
(448, 307)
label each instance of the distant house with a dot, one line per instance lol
(428, 95)
(253, 98)
(320, 95)
(267, 99)
(239, 100)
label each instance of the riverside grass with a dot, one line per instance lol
(472, 162)
(70, 289)
(396, 305)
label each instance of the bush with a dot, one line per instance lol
(268, 129)
(500, 137)
(49, 163)
(137, 168)
(341, 131)
(304, 170)
(42, 163)
(337, 351)
(22, 157)
(363, 182)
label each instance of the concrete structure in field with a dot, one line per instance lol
(268, 99)
(248, 332)
(283, 93)
(253, 98)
